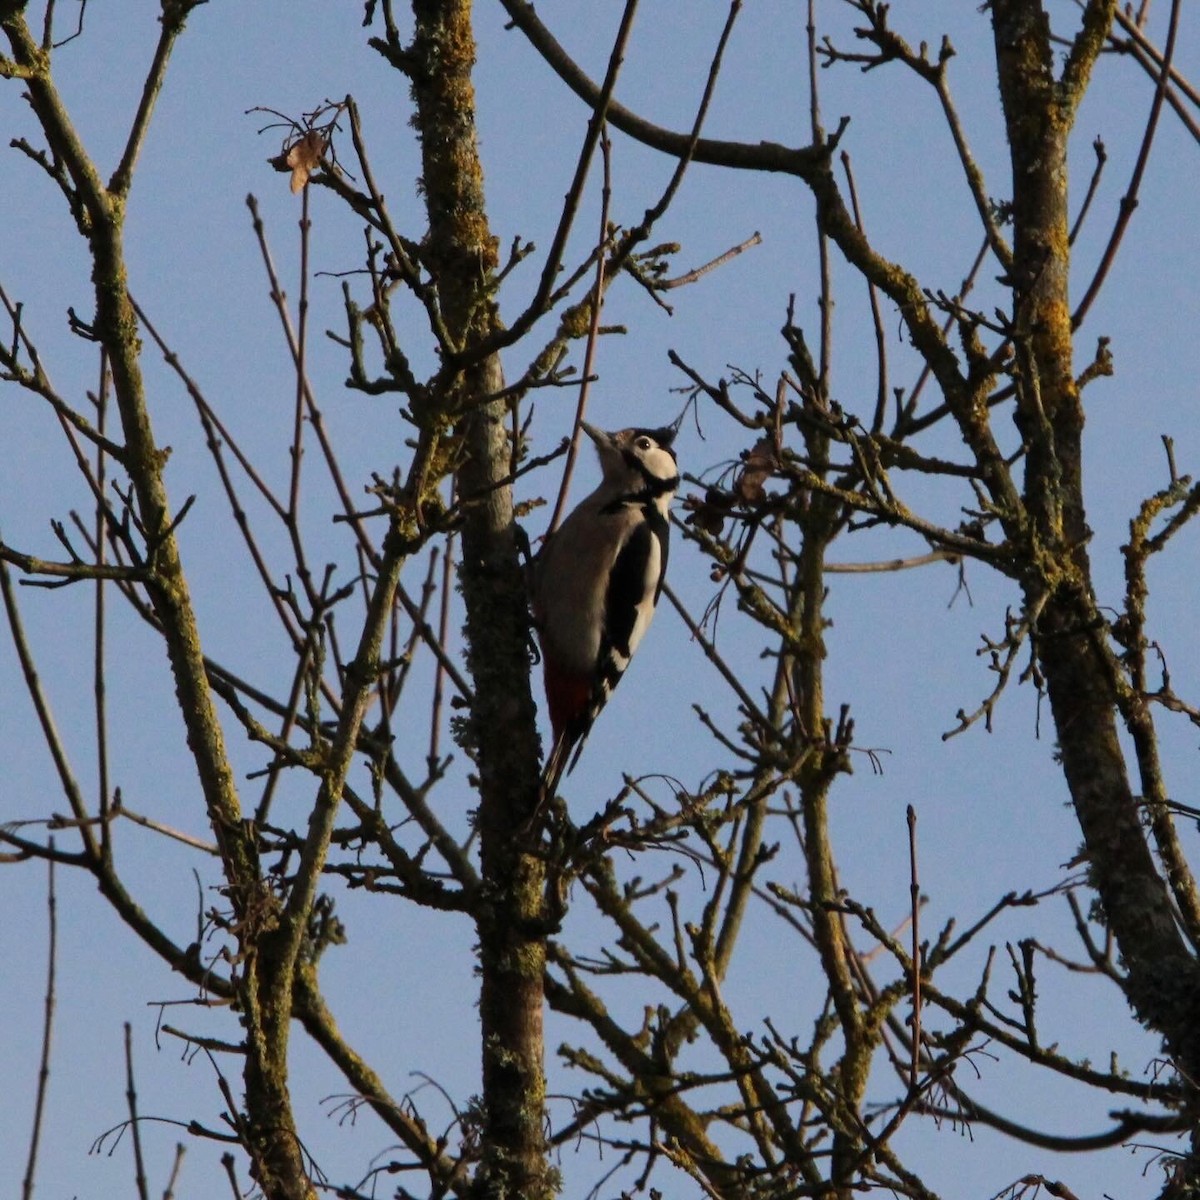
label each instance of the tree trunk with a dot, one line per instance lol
(503, 731)
(1083, 676)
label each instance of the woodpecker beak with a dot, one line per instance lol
(602, 439)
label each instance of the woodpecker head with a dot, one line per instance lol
(637, 460)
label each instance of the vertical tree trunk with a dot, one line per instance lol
(264, 986)
(503, 733)
(1083, 677)
(512, 954)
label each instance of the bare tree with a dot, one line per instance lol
(674, 868)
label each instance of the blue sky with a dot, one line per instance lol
(992, 808)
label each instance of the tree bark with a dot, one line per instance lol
(503, 732)
(1082, 675)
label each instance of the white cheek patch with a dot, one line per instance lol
(660, 464)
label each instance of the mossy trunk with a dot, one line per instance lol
(1083, 677)
(503, 732)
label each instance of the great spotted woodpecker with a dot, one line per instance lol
(596, 582)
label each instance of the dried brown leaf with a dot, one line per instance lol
(708, 513)
(759, 466)
(302, 158)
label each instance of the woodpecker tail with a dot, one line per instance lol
(561, 760)
(568, 697)
(556, 764)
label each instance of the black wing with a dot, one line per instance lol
(626, 590)
(627, 585)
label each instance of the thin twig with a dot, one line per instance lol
(564, 486)
(710, 651)
(218, 437)
(595, 134)
(881, 389)
(227, 1161)
(1149, 58)
(1090, 194)
(176, 1166)
(39, 1104)
(134, 1124)
(685, 159)
(756, 156)
(98, 669)
(119, 810)
(67, 572)
(279, 299)
(755, 239)
(439, 678)
(301, 347)
(817, 131)
(907, 424)
(975, 180)
(892, 564)
(37, 381)
(41, 705)
(1130, 200)
(172, 23)
(914, 890)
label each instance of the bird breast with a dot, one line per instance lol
(571, 585)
